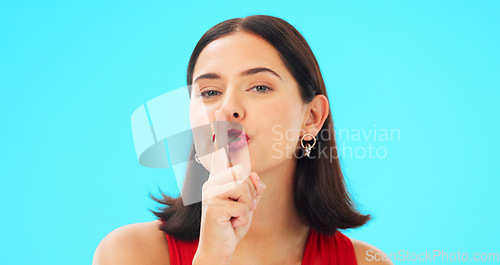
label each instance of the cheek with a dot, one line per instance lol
(281, 131)
(197, 115)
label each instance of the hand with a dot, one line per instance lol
(228, 199)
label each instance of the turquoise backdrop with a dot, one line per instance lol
(73, 72)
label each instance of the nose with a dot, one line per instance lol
(231, 106)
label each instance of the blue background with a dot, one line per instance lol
(72, 73)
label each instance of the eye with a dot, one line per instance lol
(261, 89)
(209, 93)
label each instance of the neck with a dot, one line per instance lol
(276, 228)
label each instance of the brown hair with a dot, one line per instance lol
(320, 196)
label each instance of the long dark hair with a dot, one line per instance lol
(320, 196)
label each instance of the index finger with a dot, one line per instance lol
(220, 161)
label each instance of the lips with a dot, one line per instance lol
(235, 134)
(236, 139)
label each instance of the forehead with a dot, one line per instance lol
(234, 53)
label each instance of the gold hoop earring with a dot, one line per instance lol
(308, 147)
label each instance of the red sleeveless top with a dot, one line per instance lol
(320, 250)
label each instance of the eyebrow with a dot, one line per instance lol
(247, 72)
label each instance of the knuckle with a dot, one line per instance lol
(244, 208)
(243, 220)
(206, 186)
(208, 201)
(246, 189)
(246, 203)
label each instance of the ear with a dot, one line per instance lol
(316, 114)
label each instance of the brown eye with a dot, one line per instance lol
(210, 93)
(261, 89)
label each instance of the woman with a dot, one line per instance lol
(260, 73)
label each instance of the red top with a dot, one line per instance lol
(320, 250)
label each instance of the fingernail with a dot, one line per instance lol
(254, 204)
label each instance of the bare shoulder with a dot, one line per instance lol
(140, 243)
(367, 254)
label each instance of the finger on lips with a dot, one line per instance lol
(234, 182)
(220, 160)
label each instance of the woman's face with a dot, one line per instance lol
(267, 102)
